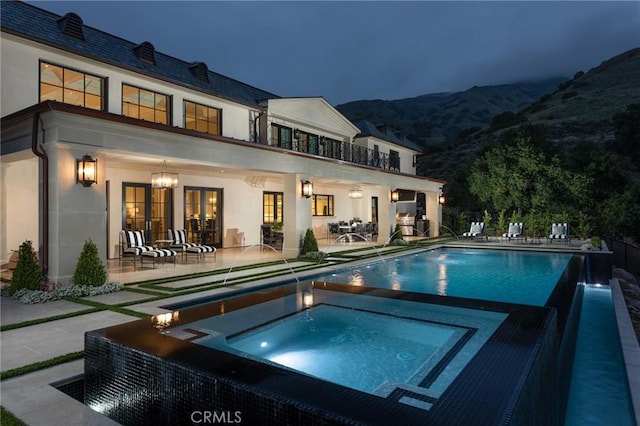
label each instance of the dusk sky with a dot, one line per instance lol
(346, 51)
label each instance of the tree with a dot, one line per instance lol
(309, 244)
(519, 177)
(27, 274)
(89, 269)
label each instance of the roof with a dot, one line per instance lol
(39, 25)
(385, 133)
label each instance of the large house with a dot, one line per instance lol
(101, 134)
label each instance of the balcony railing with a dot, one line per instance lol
(347, 152)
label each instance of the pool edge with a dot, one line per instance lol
(630, 346)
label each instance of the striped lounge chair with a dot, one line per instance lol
(133, 244)
(476, 230)
(559, 231)
(515, 232)
(179, 243)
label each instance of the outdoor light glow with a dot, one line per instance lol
(86, 171)
(163, 178)
(263, 344)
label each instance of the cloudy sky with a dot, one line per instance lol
(347, 51)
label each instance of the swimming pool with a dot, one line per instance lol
(524, 277)
(254, 347)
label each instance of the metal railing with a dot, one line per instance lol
(625, 255)
(346, 151)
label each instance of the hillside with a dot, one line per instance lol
(434, 118)
(579, 109)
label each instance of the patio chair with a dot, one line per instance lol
(133, 244)
(475, 231)
(179, 243)
(559, 231)
(516, 231)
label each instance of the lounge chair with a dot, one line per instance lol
(133, 244)
(559, 231)
(516, 231)
(179, 243)
(475, 231)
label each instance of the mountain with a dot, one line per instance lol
(452, 127)
(579, 109)
(434, 118)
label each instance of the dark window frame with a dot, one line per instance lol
(103, 85)
(278, 212)
(330, 205)
(139, 105)
(218, 123)
(277, 131)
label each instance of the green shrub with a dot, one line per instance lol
(596, 242)
(27, 274)
(309, 244)
(89, 270)
(397, 233)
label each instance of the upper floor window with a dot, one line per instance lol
(322, 205)
(145, 104)
(307, 142)
(394, 160)
(281, 136)
(202, 118)
(71, 87)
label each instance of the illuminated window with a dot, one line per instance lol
(145, 104)
(71, 87)
(202, 118)
(272, 204)
(322, 205)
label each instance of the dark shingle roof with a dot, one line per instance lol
(42, 26)
(385, 133)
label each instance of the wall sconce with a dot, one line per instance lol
(87, 171)
(355, 194)
(296, 134)
(307, 189)
(441, 199)
(163, 178)
(395, 195)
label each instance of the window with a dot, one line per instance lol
(202, 118)
(331, 148)
(322, 205)
(308, 143)
(394, 160)
(71, 87)
(272, 204)
(145, 104)
(281, 136)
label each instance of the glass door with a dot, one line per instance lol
(147, 209)
(202, 208)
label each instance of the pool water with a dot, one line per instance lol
(498, 275)
(334, 343)
(598, 393)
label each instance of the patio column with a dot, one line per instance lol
(297, 214)
(434, 213)
(76, 213)
(386, 214)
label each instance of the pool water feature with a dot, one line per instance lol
(598, 374)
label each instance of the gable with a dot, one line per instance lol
(312, 112)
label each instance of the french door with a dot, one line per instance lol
(203, 215)
(147, 209)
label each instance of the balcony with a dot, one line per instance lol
(344, 151)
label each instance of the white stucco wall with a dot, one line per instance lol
(19, 205)
(20, 68)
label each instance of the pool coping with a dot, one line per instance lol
(629, 344)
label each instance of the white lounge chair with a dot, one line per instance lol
(515, 232)
(475, 231)
(559, 231)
